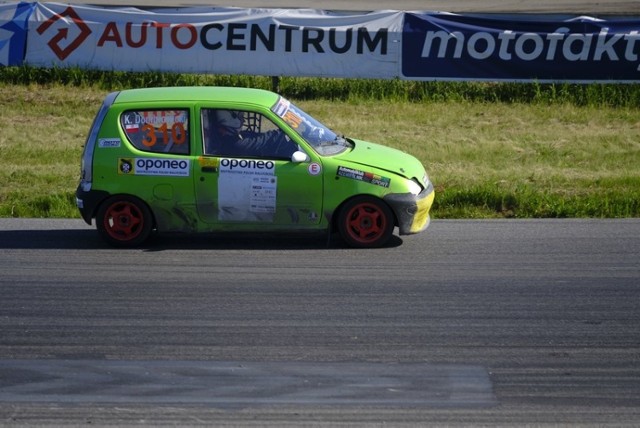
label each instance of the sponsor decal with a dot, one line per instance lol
(208, 164)
(247, 166)
(367, 177)
(263, 195)
(314, 168)
(282, 107)
(155, 166)
(125, 166)
(109, 143)
(247, 190)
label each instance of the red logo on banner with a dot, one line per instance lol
(54, 43)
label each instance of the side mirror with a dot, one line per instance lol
(300, 157)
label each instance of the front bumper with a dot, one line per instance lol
(412, 211)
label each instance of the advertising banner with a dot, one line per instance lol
(271, 42)
(305, 42)
(14, 18)
(582, 49)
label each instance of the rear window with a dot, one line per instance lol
(157, 131)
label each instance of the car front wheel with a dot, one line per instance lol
(365, 222)
(124, 221)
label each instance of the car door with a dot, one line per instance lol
(246, 175)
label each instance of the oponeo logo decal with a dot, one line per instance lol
(250, 166)
(155, 166)
(56, 43)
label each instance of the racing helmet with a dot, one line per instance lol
(230, 119)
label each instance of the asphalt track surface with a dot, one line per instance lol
(473, 322)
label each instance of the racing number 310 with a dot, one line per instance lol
(175, 134)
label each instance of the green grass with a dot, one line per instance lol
(492, 150)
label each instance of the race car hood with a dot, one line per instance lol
(386, 158)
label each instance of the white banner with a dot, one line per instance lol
(269, 42)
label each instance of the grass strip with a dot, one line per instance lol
(492, 150)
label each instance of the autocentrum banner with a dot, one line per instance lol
(304, 42)
(271, 42)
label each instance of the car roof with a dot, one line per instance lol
(198, 93)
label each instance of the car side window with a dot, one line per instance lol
(236, 133)
(157, 131)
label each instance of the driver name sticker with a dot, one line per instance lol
(367, 177)
(158, 131)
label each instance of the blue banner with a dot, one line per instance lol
(582, 49)
(14, 19)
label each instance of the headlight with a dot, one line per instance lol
(414, 187)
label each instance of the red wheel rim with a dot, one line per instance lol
(123, 221)
(366, 222)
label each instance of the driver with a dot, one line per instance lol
(231, 139)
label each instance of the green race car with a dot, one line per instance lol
(206, 159)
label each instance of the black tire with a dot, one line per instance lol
(365, 222)
(124, 221)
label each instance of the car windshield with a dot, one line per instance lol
(322, 139)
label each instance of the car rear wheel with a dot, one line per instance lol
(365, 222)
(124, 221)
